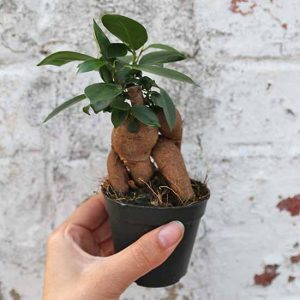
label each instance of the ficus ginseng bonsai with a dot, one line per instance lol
(146, 139)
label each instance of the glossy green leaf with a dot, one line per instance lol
(120, 104)
(64, 106)
(118, 117)
(127, 30)
(146, 82)
(133, 125)
(123, 72)
(91, 65)
(101, 38)
(63, 57)
(165, 72)
(161, 57)
(102, 94)
(163, 47)
(145, 115)
(164, 101)
(116, 50)
(106, 74)
(108, 109)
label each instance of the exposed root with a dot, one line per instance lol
(141, 171)
(167, 187)
(157, 195)
(117, 173)
(129, 163)
(172, 167)
(134, 149)
(135, 95)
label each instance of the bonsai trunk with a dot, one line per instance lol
(131, 152)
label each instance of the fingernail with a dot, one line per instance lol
(170, 234)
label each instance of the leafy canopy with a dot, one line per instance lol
(121, 65)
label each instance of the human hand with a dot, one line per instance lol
(81, 264)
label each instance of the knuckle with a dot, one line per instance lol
(141, 256)
(77, 233)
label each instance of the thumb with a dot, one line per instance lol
(151, 250)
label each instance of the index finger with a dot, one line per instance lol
(90, 214)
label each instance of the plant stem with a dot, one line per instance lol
(139, 56)
(134, 58)
(114, 71)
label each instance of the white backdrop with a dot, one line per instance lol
(242, 127)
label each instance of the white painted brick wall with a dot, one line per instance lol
(242, 126)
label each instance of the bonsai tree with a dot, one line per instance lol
(147, 132)
(147, 176)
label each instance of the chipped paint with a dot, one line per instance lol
(291, 278)
(14, 295)
(295, 259)
(267, 277)
(243, 7)
(292, 205)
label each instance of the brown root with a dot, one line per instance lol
(134, 149)
(141, 171)
(135, 95)
(131, 152)
(172, 167)
(117, 173)
(176, 134)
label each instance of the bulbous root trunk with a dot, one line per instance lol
(117, 172)
(141, 171)
(172, 167)
(131, 152)
(134, 150)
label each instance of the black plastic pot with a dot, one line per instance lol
(129, 222)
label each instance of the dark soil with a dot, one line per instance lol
(155, 193)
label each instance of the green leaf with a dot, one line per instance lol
(86, 109)
(102, 94)
(63, 57)
(163, 47)
(146, 82)
(126, 59)
(118, 117)
(123, 72)
(169, 73)
(120, 104)
(145, 115)
(127, 30)
(160, 57)
(116, 50)
(91, 65)
(106, 74)
(108, 109)
(101, 38)
(133, 126)
(164, 101)
(64, 106)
